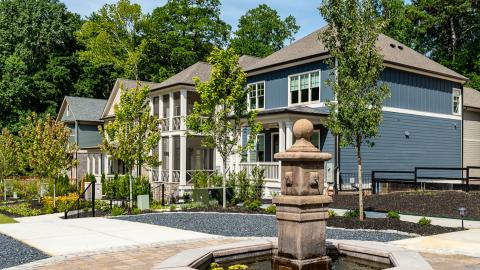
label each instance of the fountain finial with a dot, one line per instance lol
(303, 129)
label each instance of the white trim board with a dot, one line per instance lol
(421, 113)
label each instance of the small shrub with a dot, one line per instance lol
(216, 266)
(173, 207)
(63, 203)
(393, 215)
(102, 205)
(331, 213)
(22, 209)
(425, 221)
(271, 209)
(252, 205)
(213, 203)
(117, 211)
(352, 213)
(136, 211)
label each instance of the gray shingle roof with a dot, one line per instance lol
(321, 111)
(84, 109)
(310, 46)
(201, 70)
(471, 97)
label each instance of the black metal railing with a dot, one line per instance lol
(422, 175)
(91, 186)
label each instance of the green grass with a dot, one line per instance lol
(4, 219)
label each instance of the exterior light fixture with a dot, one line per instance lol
(462, 211)
(407, 134)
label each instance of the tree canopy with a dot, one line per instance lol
(261, 32)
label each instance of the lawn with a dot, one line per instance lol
(4, 219)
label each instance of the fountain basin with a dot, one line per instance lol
(378, 255)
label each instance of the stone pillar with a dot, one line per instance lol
(302, 208)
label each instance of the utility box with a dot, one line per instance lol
(143, 202)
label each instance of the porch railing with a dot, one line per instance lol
(177, 122)
(164, 124)
(272, 169)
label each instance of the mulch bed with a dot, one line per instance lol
(427, 203)
(387, 224)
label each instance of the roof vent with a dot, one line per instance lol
(400, 47)
(392, 45)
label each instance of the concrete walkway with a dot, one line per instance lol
(56, 236)
(445, 222)
(456, 243)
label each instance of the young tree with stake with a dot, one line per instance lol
(8, 158)
(351, 35)
(223, 109)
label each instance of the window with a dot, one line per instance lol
(256, 95)
(165, 153)
(315, 140)
(304, 87)
(259, 154)
(176, 104)
(166, 106)
(456, 101)
(155, 106)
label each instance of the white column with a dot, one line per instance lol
(99, 164)
(170, 158)
(281, 136)
(88, 163)
(170, 119)
(160, 158)
(183, 108)
(105, 167)
(183, 160)
(289, 134)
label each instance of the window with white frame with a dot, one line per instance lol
(258, 155)
(256, 95)
(456, 101)
(304, 87)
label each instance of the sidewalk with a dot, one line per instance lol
(445, 222)
(56, 236)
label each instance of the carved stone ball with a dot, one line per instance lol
(303, 128)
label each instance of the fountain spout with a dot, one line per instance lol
(302, 206)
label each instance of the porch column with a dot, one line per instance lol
(106, 165)
(171, 110)
(289, 134)
(88, 163)
(160, 158)
(281, 136)
(183, 160)
(183, 109)
(170, 158)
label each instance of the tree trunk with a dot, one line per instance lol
(54, 193)
(224, 183)
(5, 190)
(131, 190)
(360, 182)
(453, 37)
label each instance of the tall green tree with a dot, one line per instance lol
(8, 158)
(351, 34)
(47, 147)
(181, 33)
(115, 35)
(261, 31)
(223, 108)
(133, 134)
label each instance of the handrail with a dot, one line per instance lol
(77, 202)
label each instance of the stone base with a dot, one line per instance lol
(322, 263)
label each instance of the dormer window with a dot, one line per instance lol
(304, 88)
(456, 101)
(256, 95)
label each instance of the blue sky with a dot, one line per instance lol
(305, 11)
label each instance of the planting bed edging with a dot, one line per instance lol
(374, 251)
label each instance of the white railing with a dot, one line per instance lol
(176, 176)
(272, 169)
(164, 124)
(177, 122)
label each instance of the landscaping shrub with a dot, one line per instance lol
(393, 215)
(63, 203)
(331, 213)
(252, 205)
(242, 183)
(425, 221)
(203, 179)
(22, 209)
(25, 189)
(216, 266)
(118, 187)
(352, 213)
(271, 209)
(213, 203)
(117, 211)
(62, 186)
(173, 208)
(257, 183)
(102, 206)
(136, 211)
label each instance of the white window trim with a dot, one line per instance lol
(256, 97)
(459, 101)
(309, 88)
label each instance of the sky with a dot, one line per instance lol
(306, 12)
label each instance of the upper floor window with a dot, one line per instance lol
(256, 95)
(456, 101)
(304, 87)
(166, 106)
(156, 104)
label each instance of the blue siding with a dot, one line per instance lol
(433, 142)
(88, 136)
(417, 92)
(276, 83)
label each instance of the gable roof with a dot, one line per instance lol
(81, 109)
(471, 97)
(393, 51)
(114, 97)
(201, 70)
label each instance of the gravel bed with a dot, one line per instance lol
(13, 252)
(241, 225)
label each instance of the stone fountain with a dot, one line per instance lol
(302, 206)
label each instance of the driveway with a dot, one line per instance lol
(56, 236)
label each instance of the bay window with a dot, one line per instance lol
(304, 87)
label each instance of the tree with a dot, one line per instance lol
(134, 133)
(355, 115)
(47, 148)
(223, 108)
(261, 32)
(182, 32)
(115, 36)
(8, 158)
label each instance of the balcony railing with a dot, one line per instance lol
(272, 169)
(164, 124)
(177, 122)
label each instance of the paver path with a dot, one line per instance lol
(56, 236)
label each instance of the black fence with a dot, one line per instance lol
(77, 204)
(421, 176)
